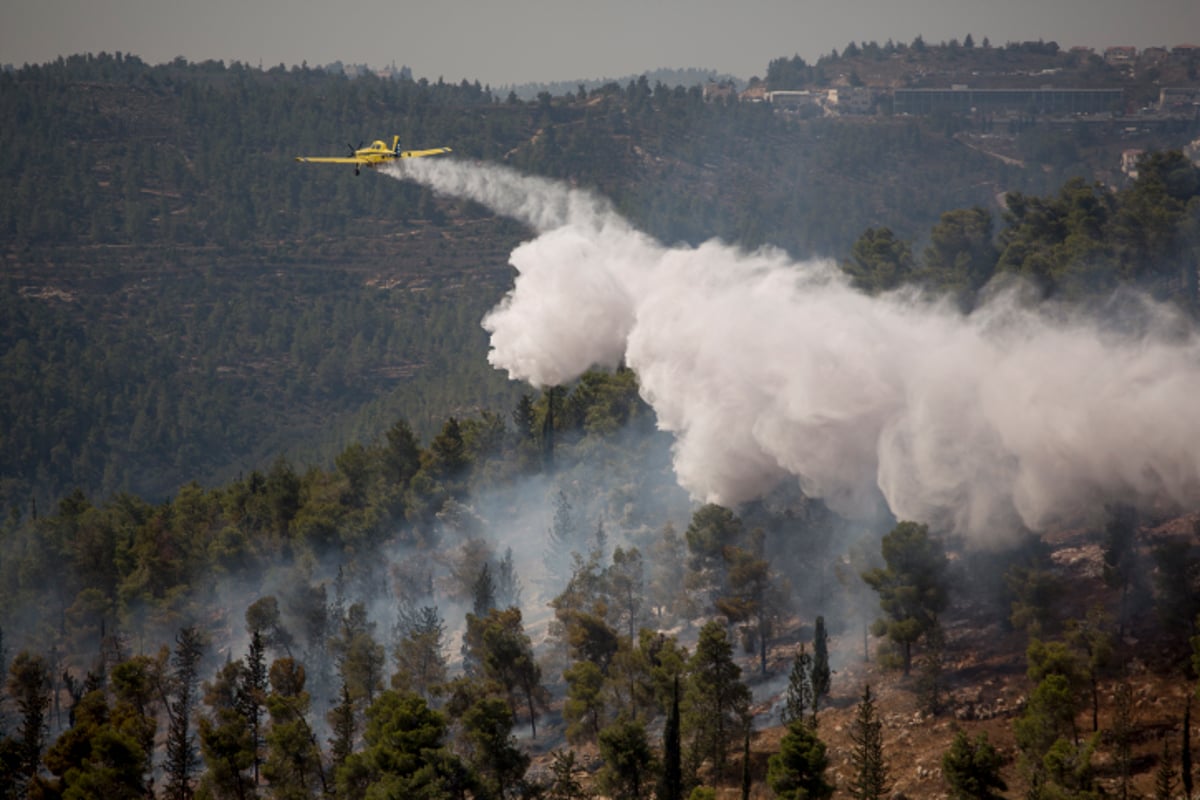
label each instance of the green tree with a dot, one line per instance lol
(820, 663)
(1060, 243)
(1165, 775)
(797, 771)
(879, 261)
(1056, 658)
(799, 696)
(626, 586)
(343, 727)
(972, 768)
(498, 643)
(447, 455)
(717, 702)
(670, 785)
(401, 454)
(508, 584)
(1035, 590)
(713, 528)
(93, 758)
(912, 587)
(404, 754)
(226, 736)
(29, 684)
(753, 596)
(628, 761)
(583, 709)
(562, 538)
(264, 618)
(564, 785)
(252, 700)
(1046, 734)
(420, 657)
(182, 760)
(483, 592)
(495, 755)
(870, 776)
(292, 765)
(134, 684)
(961, 256)
(1092, 637)
(360, 658)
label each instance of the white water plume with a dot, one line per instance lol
(766, 369)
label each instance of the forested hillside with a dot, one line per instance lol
(321, 549)
(183, 301)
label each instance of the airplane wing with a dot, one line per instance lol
(331, 160)
(422, 153)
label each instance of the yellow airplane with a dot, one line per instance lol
(378, 153)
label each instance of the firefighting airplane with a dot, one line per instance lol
(378, 153)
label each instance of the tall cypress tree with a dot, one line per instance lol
(671, 785)
(820, 665)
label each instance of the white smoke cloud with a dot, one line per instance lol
(766, 370)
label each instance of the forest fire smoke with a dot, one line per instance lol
(766, 369)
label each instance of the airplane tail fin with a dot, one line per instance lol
(396, 144)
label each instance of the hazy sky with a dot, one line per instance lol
(517, 41)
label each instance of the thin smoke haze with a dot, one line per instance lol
(766, 369)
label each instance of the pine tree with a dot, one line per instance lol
(797, 771)
(253, 697)
(912, 587)
(293, 765)
(561, 537)
(870, 779)
(717, 700)
(29, 684)
(563, 783)
(1165, 775)
(226, 741)
(524, 417)
(483, 592)
(342, 725)
(508, 585)
(182, 759)
(420, 661)
(1123, 737)
(799, 696)
(972, 769)
(628, 760)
